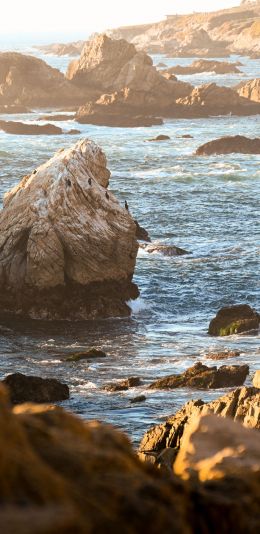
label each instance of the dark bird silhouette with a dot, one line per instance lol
(34, 172)
(89, 181)
(68, 182)
(107, 195)
(126, 206)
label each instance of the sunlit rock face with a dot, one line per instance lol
(67, 248)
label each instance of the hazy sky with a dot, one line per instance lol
(96, 15)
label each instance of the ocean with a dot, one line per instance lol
(206, 205)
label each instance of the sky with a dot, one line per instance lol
(61, 16)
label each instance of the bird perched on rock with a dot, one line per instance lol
(89, 181)
(126, 206)
(35, 171)
(107, 195)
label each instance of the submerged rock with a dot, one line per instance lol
(242, 404)
(67, 248)
(24, 388)
(89, 354)
(228, 145)
(201, 376)
(139, 398)
(123, 385)
(234, 320)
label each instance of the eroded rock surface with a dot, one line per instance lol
(67, 248)
(201, 376)
(242, 404)
(250, 89)
(234, 320)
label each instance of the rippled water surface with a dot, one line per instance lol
(206, 205)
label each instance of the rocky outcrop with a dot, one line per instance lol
(165, 250)
(86, 355)
(123, 385)
(22, 128)
(256, 379)
(226, 354)
(211, 100)
(250, 89)
(62, 49)
(228, 145)
(24, 388)
(203, 65)
(67, 248)
(29, 81)
(234, 320)
(242, 405)
(202, 377)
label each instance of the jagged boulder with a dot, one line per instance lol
(250, 89)
(29, 81)
(202, 377)
(67, 248)
(234, 320)
(242, 404)
(23, 388)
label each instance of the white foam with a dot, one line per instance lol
(137, 306)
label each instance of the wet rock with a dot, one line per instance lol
(242, 404)
(228, 145)
(223, 355)
(201, 376)
(234, 320)
(23, 388)
(69, 476)
(21, 128)
(160, 138)
(141, 233)
(165, 250)
(256, 379)
(73, 132)
(53, 262)
(85, 355)
(139, 398)
(185, 136)
(204, 65)
(123, 385)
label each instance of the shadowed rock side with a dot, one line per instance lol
(228, 145)
(234, 320)
(29, 81)
(61, 475)
(242, 404)
(67, 248)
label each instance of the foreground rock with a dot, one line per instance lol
(228, 145)
(242, 405)
(67, 248)
(24, 388)
(29, 81)
(203, 65)
(234, 320)
(200, 376)
(256, 379)
(250, 89)
(72, 476)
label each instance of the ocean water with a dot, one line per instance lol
(206, 205)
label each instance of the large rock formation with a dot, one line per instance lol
(234, 320)
(29, 81)
(67, 248)
(202, 377)
(128, 87)
(61, 475)
(250, 89)
(23, 388)
(228, 145)
(242, 405)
